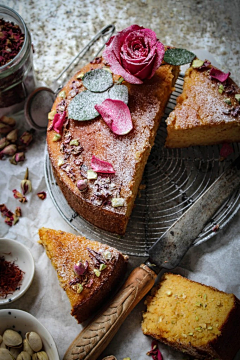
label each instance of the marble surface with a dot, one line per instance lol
(59, 29)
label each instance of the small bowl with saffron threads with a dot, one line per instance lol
(17, 270)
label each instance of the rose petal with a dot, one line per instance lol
(219, 75)
(58, 121)
(101, 166)
(116, 115)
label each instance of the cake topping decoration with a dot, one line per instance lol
(101, 166)
(42, 195)
(19, 196)
(237, 97)
(57, 137)
(176, 56)
(135, 53)
(119, 92)
(82, 184)
(219, 75)
(98, 80)
(117, 116)
(91, 175)
(58, 121)
(116, 202)
(200, 64)
(80, 268)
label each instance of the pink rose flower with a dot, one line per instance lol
(134, 53)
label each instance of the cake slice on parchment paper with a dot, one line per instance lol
(207, 111)
(194, 318)
(87, 270)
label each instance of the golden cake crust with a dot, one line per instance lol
(128, 154)
(194, 318)
(65, 250)
(202, 116)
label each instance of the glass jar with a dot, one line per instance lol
(17, 79)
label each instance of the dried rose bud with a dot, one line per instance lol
(3, 143)
(26, 138)
(80, 268)
(4, 129)
(15, 219)
(26, 186)
(7, 120)
(19, 196)
(8, 221)
(5, 212)
(20, 156)
(82, 184)
(18, 212)
(42, 195)
(8, 150)
(12, 136)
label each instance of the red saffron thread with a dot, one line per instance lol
(11, 277)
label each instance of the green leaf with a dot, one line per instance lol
(178, 56)
(81, 107)
(98, 80)
(119, 92)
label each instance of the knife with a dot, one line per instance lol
(166, 253)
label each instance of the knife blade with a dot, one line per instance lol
(166, 253)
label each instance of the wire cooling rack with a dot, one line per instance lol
(173, 179)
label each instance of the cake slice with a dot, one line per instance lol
(207, 111)
(196, 319)
(107, 201)
(87, 270)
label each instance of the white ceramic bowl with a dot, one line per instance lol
(24, 322)
(13, 250)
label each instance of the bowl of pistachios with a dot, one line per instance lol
(23, 337)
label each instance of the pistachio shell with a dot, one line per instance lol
(5, 354)
(15, 352)
(12, 338)
(24, 356)
(34, 341)
(42, 355)
(27, 348)
(1, 339)
(2, 346)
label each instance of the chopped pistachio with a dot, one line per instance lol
(60, 162)
(221, 89)
(204, 326)
(74, 142)
(120, 80)
(198, 328)
(228, 101)
(107, 69)
(237, 97)
(127, 358)
(79, 288)
(209, 328)
(51, 114)
(168, 293)
(62, 94)
(190, 334)
(160, 319)
(97, 272)
(91, 175)
(184, 335)
(57, 137)
(117, 202)
(173, 322)
(80, 75)
(205, 297)
(218, 303)
(102, 267)
(197, 318)
(198, 304)
(107, 255)
(197, 63)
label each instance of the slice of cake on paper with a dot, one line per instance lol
(110, 120)
(208, 110)
(196, 319)
(87, 270)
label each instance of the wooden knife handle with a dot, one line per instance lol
(93, 339)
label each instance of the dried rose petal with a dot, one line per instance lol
(58, 121)
(8, 221)
(5, 212)
(155, 352)
(101, 166)
(116, 115)
(226, 150)
(19, 196)
(42, 195)
(80, 268)
(19, 157)
(219, 75)
(89, 283)
(18, 212)
(26, 138)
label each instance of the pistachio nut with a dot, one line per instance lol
(24, 356)
(42, 355)
(12, 338)
(26, 347)
(5, 354)
(34, 341)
